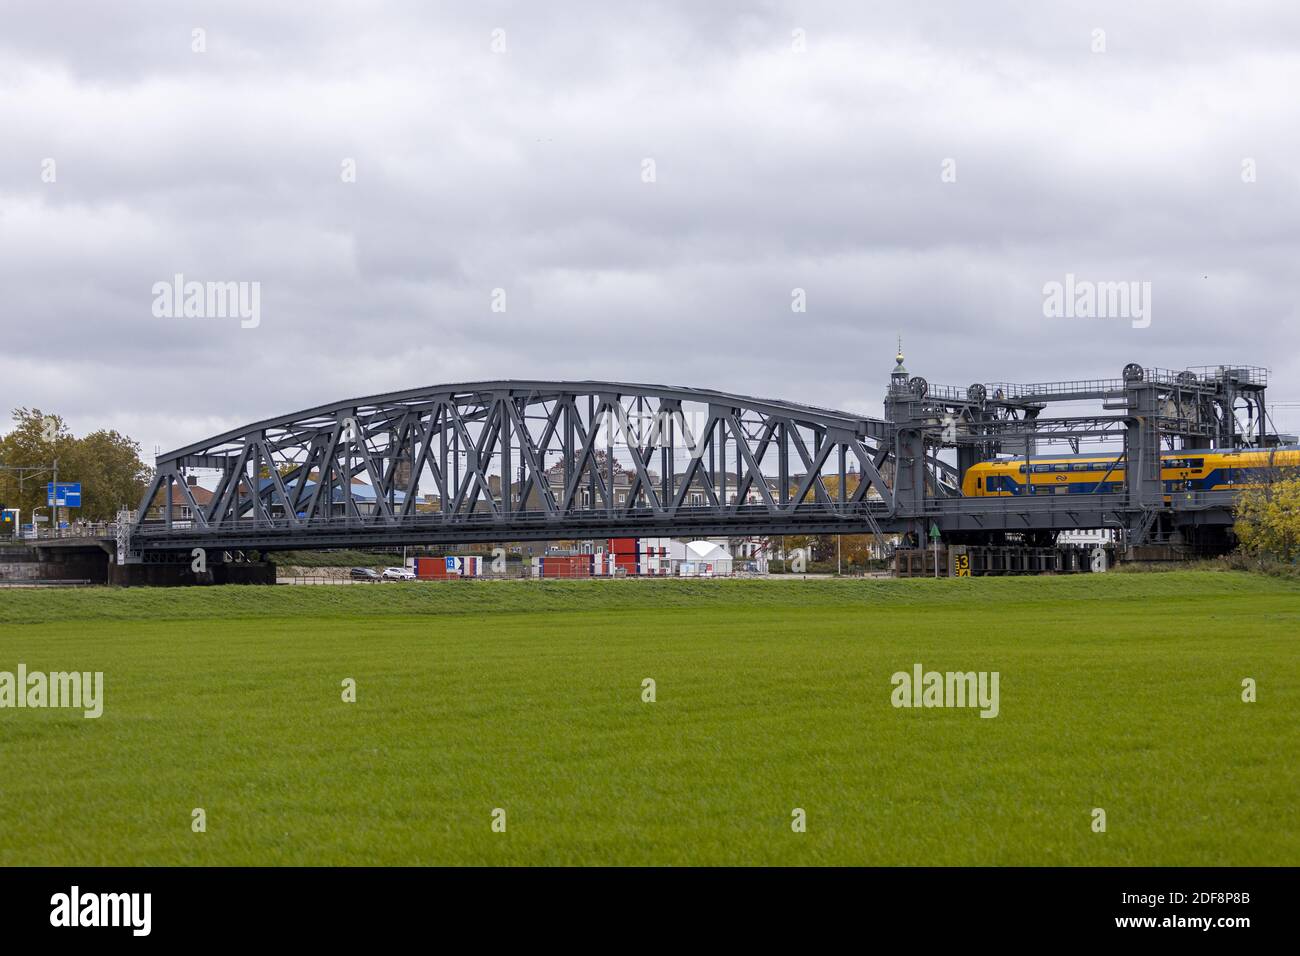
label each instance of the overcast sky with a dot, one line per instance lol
(916, 169)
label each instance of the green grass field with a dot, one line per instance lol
(1117, 691)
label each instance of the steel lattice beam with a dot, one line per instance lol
(523, 459)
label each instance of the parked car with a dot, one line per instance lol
(364, 574)
(398, 574)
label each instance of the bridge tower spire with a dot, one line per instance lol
(898, 381)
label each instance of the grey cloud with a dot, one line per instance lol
(775, 170)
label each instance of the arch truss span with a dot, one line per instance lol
(513, 460)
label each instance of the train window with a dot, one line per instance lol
(1196, 463)
(979, 483)
(1022, 469)
(1081, 466)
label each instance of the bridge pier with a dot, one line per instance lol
(24, 565)
(90, 562)
(180, 575)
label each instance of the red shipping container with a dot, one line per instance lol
(430, 569)
(623, 545)
(567, 566)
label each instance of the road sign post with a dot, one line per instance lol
(63, 494)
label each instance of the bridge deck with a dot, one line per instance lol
(1036, 513)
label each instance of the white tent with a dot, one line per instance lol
(700, 559)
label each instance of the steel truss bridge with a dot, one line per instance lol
(531, 460)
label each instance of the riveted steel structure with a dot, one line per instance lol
(493, 461)
(1151, 410)
(519, 460)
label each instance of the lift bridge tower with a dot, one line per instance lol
(940, 431)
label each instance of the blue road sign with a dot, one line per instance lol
(67, 495)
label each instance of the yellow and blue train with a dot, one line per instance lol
(1210, 469)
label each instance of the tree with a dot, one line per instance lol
(1268, 520)
(794, 543)
(106, 463)
(858, 549)
(111, 473)
(35, 441)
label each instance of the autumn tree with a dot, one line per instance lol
(28, 453)
(1267, 520)
(106, 463)
(112, 475)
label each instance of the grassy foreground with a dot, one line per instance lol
(1117, 691)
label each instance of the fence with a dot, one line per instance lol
(308, 576)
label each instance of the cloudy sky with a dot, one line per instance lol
(648, 183)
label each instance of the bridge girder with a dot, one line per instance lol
(522, 459)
